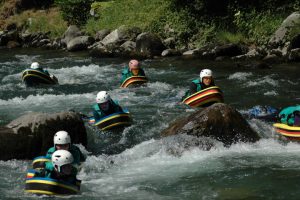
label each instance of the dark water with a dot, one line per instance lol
(143, 167)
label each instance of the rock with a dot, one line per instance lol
(290, 25)
(80, 43)
(120, 35)
(12, 44)
(71, 33)
(99, 50)
(191, 53)
(219, 121)
(149, 45)
(229, 50)
(100, 35)
(128, 47)
(295, 42)
(7, 36)
(170, 52)
(31, 135)
(271, 58)
(294, 55)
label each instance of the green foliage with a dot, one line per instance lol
(179, 25)
(56, 26)
(75, 11)
(205, 36)
(131, 13)
(256, 25)
(229, 37)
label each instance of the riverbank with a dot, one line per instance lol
(142, 166)
(103, 35)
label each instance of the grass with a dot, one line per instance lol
(258, 27)
(139, 13)
(40, 21)
(228, 37)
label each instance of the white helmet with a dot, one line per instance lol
(205, 73)
(62, 137)
(35, 65)
(102, 97)
(60, 158)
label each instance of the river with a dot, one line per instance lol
(136, 163)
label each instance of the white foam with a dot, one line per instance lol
(271, 93)
(149, 161)
(267, 80)
(47, 102)
(241, 76)
(85, 74)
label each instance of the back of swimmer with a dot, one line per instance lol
(36, 66)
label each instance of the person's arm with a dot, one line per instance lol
(193, 88)
(96, 115)
(116, 106)
(50, 152)
(125, 74)
(77, 154)
(46, 72)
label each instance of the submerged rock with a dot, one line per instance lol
(219, 121)
(31, 135)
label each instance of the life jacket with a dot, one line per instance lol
(200, 86)
(126, 73)
(287, 115)
(113, 108)
(198, 83)
(44, 71)
(74, 150)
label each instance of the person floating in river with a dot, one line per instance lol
(204, 81)
(133, 69)
(36, 66)
(266, 113)
(62, 141)
(105, 106)
(290, 115)
(60, 168)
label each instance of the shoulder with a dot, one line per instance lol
(49, 166)
(115, 102)
(96, 107)
(51, 150)
(196, 81)
(125, 70)
(288, 109)
(74, 148)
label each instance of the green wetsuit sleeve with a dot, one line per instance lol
(50, 152)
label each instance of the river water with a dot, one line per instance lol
(136, 163)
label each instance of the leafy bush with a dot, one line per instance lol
(258, 27)
(75, 11)
(131, 13)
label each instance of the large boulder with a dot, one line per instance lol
(80, 43)
(149, 45)
(230, 50)
(71, 33)
(219, 121)
(100, 35)
(286, 30)
(32, 134)
(120, 35)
